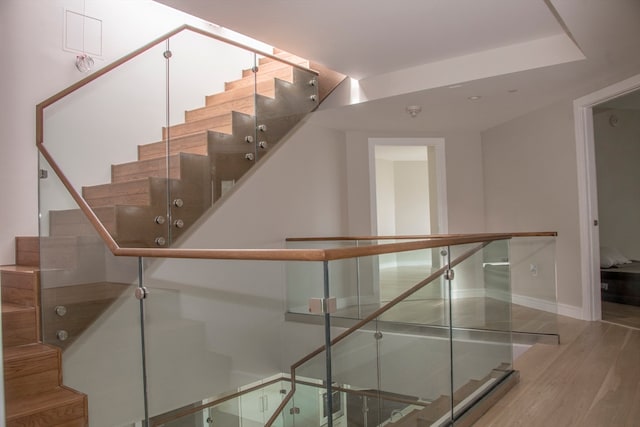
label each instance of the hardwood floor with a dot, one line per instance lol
(621, 314)
(592, 379)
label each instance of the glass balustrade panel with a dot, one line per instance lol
(89, 310)
(249, 406)
(210, 127)
(93, 135)
(398, 363)
(482, 346)
(362, 285)
(305, 280)
(533, 281)
(214, 327)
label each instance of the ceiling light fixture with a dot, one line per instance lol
(454, 86)
(413, 110)
(474, 98)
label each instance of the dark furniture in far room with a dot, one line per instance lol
(621, 284)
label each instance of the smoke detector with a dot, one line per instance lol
(413, 110)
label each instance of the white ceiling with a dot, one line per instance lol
(518, 55)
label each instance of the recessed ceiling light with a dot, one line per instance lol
(474, 98)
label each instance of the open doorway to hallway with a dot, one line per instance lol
(407, 185)
(616, 127)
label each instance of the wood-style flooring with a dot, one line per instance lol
(621, 314)
(592, 379)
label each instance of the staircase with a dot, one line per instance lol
(152, 201)
(439, 410)
(34, 394)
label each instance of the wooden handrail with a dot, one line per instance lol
(108, 68)
(417, 236)
(161, 420)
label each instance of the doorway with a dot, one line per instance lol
(616, 128)
(588, 191)
(408, 199)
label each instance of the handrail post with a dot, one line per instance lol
(327, 343)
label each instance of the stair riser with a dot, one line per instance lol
(129, 193)
(29, 384)
(273, 65)
(244, 105)
(28, 251)
(220, 123)
(20, 288)
(266, 88)
(156, 168)
(19, 328)
(74, 222)
(285, 73)
(281, 56)
(193, 144)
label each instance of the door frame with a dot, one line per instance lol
(588, 192)
(441, 176)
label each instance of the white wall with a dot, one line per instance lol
(385, 197)
(412, 197)
(617, 152)
(464, 181)
(297, 191)
(530, 184)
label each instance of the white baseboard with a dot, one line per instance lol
(571, 311)
(539, 304)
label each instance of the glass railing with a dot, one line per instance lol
(206, 339)
(413, 361)
(534, 285)
(251, 405)
(89, 310)
(153, 140)
(373, 281)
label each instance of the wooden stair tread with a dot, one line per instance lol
(14, 308)
(220, 123)
(30, 405)
(20, 268)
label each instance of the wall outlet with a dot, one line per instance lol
(533, 269)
